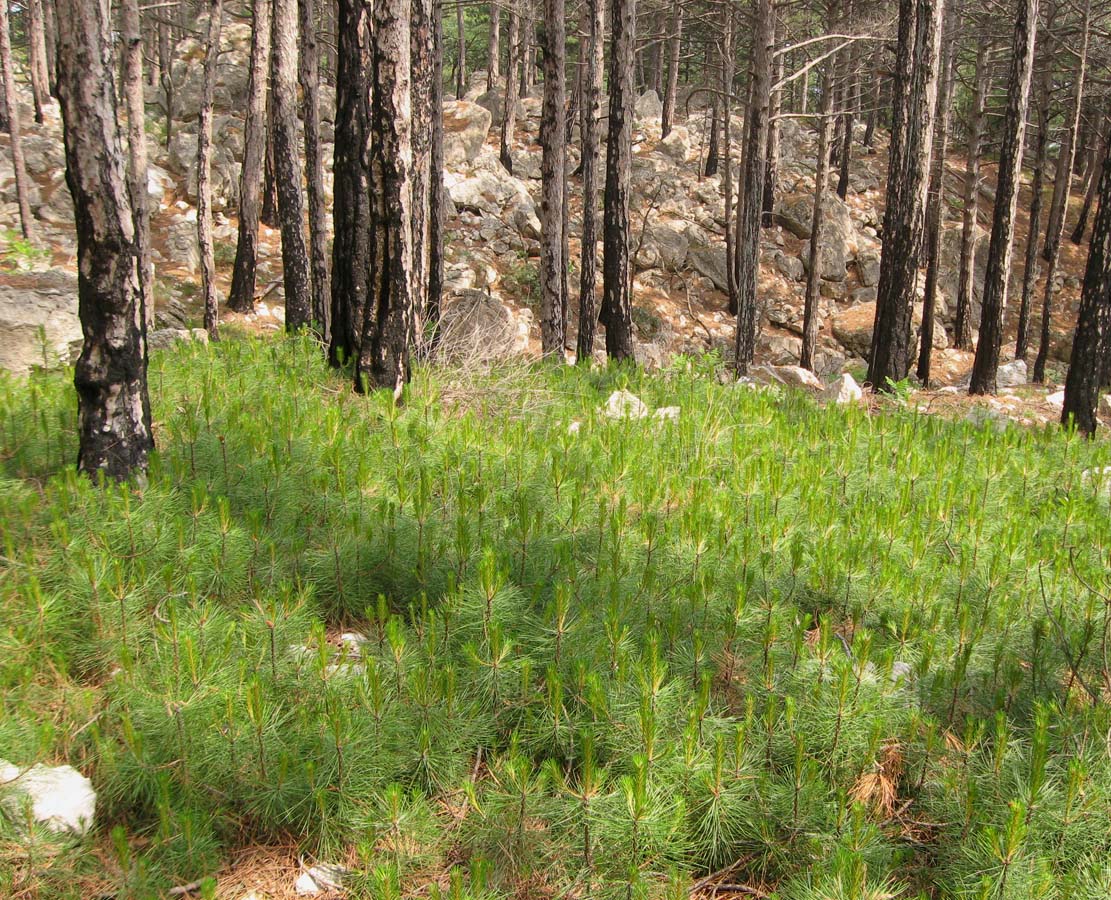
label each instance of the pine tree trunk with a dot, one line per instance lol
(727, 73)
(461, 53)
(934, 215)
(351, 204)
(287, 166)
(986, 364)
(15, 129)
(591, 112)
(113, 408)
(915, 98)
(269, 215)
(309, 78)
(528, 54)
(713, 152)
(1077, 236)
(771, 156)
(852, 103)
(1082, 385)
(1030, 270)
(1062, 187)
(962, 333)
(509, 112)
(617, 303)
(137, 151)
(747, 259)
(493, 53)
(36, 40)
(167, 77)
(241, 297)
(813, 275)
(50, 39)
(553, 173)
(204, 169)
(436, 175)
(388, 327)
(674, 46)
(420, 67)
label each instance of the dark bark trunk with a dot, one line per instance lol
(113, 409)
(1093, 326)
(15, 128)
(617, 303)
(591, 111)
(493, 53)
(270, 216)
(509, 113)
(713, 153)
(436, 175)
(137, 151)
(50, 28)
(747, 259)
(674, 46)
(420, 103)
(309, 78)
(287, 166)
(553, 173)
(771, 156)
(915, 99)
(241, 297)
(204, 169)
(36, 41)
(461, 52)
(986, 364)
(727, 73)
(1030, 270)
(351, 205)
(1077, 236)
(962, 332)
(821, 179)
(388, 327)
(166, 65)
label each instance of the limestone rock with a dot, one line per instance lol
(465, 128)
(625, 405)
(40, 305)
(648, 106)
(61, 798)
(843, 390)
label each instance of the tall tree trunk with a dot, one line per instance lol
(270, 216)
(727, 73)
(436, 175)
(713, 151)
(204, 169)
(287, 166)
(617, 302)
(493, 62)
(50, 29)
(309, 77)
(509, 101)
(771, 165)
(821, 181)
(747, 259)
(351, 205)
(962, 336)
(852, 103)
(241, 297)
(461, 52)
(528, 51)
(986, 364)
(1030, 270)
(1077, 236)
(113, 408)
(137, 150)
(591, 111)
(1093, 325)
(674, 45)
(553, 173)
(915, 99)
(388, 329)
(934, 215)
(1062, 187)
(167, 77)
(36, 40)
(420, 103)
(15, 129)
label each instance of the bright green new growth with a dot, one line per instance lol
(845, 655)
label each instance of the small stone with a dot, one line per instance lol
(667, 413)
(1057, 399)
(844, 390)
(1013, 374)
(61, 798)
(625, 405)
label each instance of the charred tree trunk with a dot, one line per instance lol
(962, 336)
(986, 364)
(1077, 236)
(204, 169)
(591, 111)
(420, 104)
(15, 129)
(1030, 270)
(388, 326)
(727, 73)
(113, 409)
(137, 150)
(270, 216)
(436, 175)
(36, 41)
(309, 77)
(553, 172)
(813, 275)
(713, 152)
(915, 99)
(747, 258)
(674, 46)
(617, 302)
(351, 205)
(771, 165)
(241, 297)
(509, 111)
(1093, 326)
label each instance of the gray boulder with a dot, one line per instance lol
(38, 321)
(465, 128)
(60, 798)
(648, 106)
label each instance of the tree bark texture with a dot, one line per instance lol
(591, 111)
(962, 332)
(137, 151)
(204, 169)
(553, 174)
(15, 129)
(309, 77)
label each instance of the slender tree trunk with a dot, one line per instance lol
(137, 150)
(1077, 236)
(309, 78)
(509, 112)
(1082, 385)
(351, 205)
(852, 103)
(113, 408)
(813, 275)
(420, 103)
(771, 166)
(36, 40)
(934, 216)
(287, 166)
(204, 169)
(50, 39)
(388, 329)
(727, 72)
(528, 56)
(436, 176)
(15, 128)
(674, 46)
(167, 77)
(1030, 270)
(617, 303)
(591, 111)
(747, 260)
(461, 52)
(241, 297)
(916, 78)
(713, 152)
(986, 364)
(493, 63)
(1062, 187)
(270, 216)
(553, 170)
(962, 336)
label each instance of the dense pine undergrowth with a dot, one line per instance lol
(846, 655)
